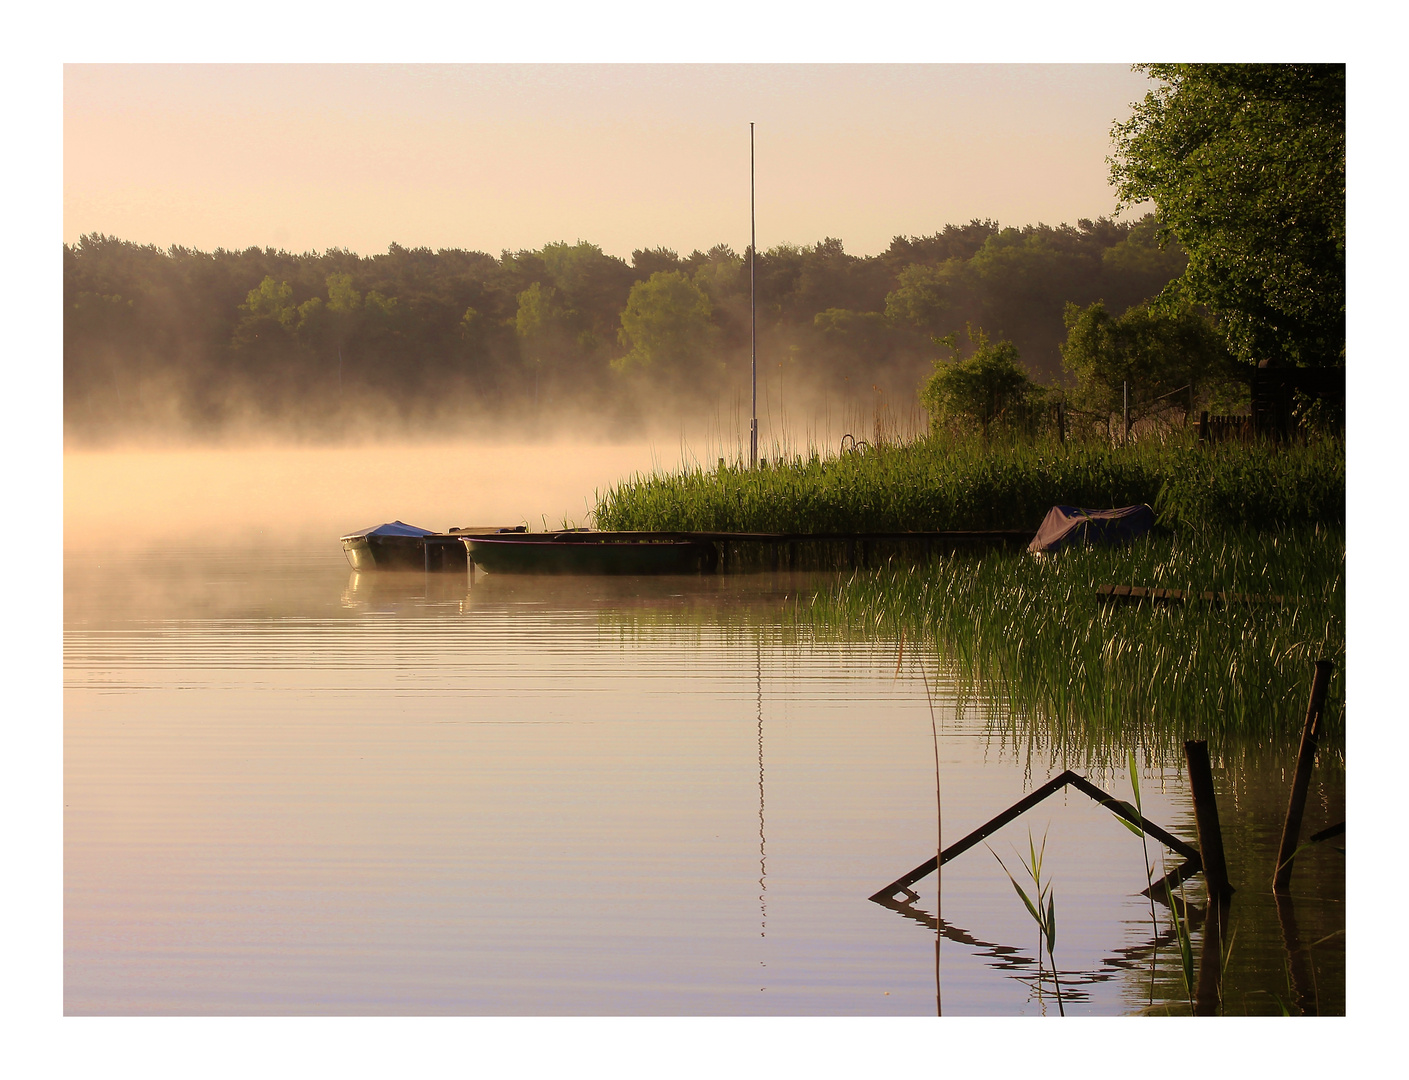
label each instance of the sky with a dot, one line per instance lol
(491, 157)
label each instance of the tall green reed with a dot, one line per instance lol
(1029, 636)
(940, 483)
(1042, 906)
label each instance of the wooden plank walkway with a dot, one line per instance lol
(740, 552)
(1109, 594)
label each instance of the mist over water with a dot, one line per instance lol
(137, 494)
(303, 496)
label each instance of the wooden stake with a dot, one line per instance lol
(1306, 758)
(1206, 820)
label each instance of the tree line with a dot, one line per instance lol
(199, 340)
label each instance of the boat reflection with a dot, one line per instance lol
(389, 591)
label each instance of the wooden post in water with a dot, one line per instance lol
(1206, 821)
(1306, 758)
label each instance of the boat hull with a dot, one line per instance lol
(385, 552)
(551, 555)
(434, 552)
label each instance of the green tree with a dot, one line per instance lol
(1166, 355)
(538, 321)
(342, 297)
(722, 274)
(270, 315)
(1246, 165)
(589, 288)
(863, 332)
(666, 324)
(989, 386)
(924, 297)
(273, 300)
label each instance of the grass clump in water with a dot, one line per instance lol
(1091, 677)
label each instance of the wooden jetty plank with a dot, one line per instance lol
(1108, 593)
(987, 535)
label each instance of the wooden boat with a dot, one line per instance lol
(398, 546)
(584, 552)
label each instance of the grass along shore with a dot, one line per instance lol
(938, 483)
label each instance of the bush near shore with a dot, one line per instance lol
(937, 483)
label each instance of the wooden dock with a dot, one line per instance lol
(750, 552)
(746, 552)
(1109, 594)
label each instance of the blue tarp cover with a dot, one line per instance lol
(1067, 525)
(391, 528)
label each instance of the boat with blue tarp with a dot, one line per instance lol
(396, 545)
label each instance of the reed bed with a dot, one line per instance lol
(1028, 637)
(939, 483)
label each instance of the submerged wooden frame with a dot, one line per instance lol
(1192, 864)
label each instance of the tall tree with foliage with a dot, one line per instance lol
(666, 326)
(1167, 355)
(1246, 164)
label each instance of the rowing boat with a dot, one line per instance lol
(582, 552)
(398, 546)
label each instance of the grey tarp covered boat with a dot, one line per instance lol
(1065, 526)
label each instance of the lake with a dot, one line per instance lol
(294, 789)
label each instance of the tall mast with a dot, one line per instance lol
(753, 310)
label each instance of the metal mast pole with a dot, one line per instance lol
(753, 310)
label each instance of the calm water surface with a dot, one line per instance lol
(290, 789)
